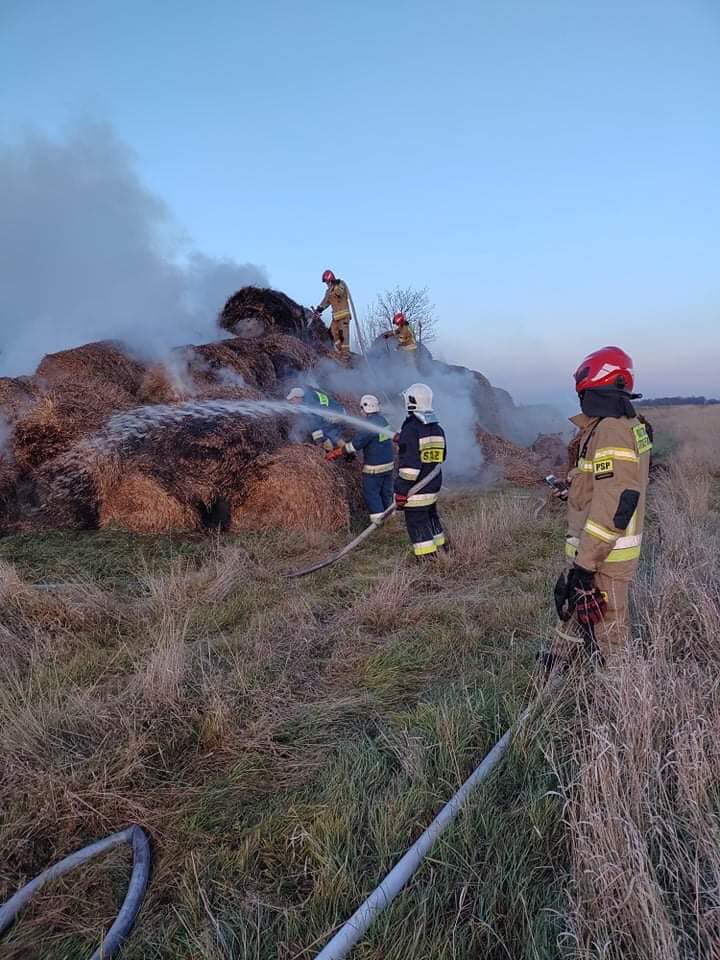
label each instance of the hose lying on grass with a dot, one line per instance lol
(123, 924)
(382, 896)
(366, 532)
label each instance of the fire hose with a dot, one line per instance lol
(291, 574)
(120, 930)
(383, 895)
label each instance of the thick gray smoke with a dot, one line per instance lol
(386, 376)
(88, 253)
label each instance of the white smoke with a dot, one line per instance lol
(89, 253)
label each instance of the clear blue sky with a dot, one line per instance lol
(550, 169)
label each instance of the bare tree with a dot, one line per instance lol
(415, 304)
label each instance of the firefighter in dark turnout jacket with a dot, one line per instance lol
(422, 447)
(606, 508)
(378, 459)
(321, 428)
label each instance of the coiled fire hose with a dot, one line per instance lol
(366, 532)
(120, 930)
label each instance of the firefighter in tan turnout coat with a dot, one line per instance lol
(338, 298)
(606, 509)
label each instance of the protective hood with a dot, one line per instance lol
(425, 416)
(608, 402)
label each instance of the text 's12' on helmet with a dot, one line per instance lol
(369, 403)
(607, 367)
(399, 319)
(418, 397)
(328, 277)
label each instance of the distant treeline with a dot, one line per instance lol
(679, 401)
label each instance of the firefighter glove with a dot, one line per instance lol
(334, 454)
(401, 501)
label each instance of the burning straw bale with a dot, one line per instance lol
(139, 503)
(254, 311)
(295, 488)
(518, 464)
(289, 355)
(16, 394)
(553, 452)
(57, 418)
(104, 361)
(63, 492)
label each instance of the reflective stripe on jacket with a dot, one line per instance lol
(422, 446)
(606, 500)
(377, 448)
(336, 298)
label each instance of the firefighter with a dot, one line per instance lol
(378, 459)
(338, 298)
(405, 337)
(422, 447)
(321, 428)
(606, 508)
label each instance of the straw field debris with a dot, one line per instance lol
(553, 451)
(295, 488)
(517, 464)
(255, 311)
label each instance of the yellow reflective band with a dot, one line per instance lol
(439, 540)
(619, 453)
(427, 546)
(432, 442)
(599, 532)
(408, 473)
(620, 556)
(570, 550)
(422, 500)
(317, 434)
(585, 466)
(374, 468)
(632, 541)
(341, 315)
(349, 448)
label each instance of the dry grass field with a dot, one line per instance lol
(284, 741)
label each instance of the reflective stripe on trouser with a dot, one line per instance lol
(611, 634)
(378, 492)
(340, 332)
(425, 529)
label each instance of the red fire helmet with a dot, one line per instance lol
(328, 277)
(609, 366)
(399, 319)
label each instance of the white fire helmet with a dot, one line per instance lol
(418, 396)
(369, 403)
(297, 393)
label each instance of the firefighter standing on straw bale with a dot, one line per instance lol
(422, 447)
(321, 427)
(405, 336)
(378, 459)
(338, 298)
(606, 509)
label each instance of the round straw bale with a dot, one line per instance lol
(63, 492)
(294, 488)
(288, 355)
(139, 503)
(254, 355)
(71, 409)
(210, 370)
(105, 361)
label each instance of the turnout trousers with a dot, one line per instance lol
(425, 529)
(611, 635)
(378, 492)
(340, 332)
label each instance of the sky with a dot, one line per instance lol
(547, 168)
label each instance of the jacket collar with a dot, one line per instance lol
(581, 421)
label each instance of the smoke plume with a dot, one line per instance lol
(88, 253)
